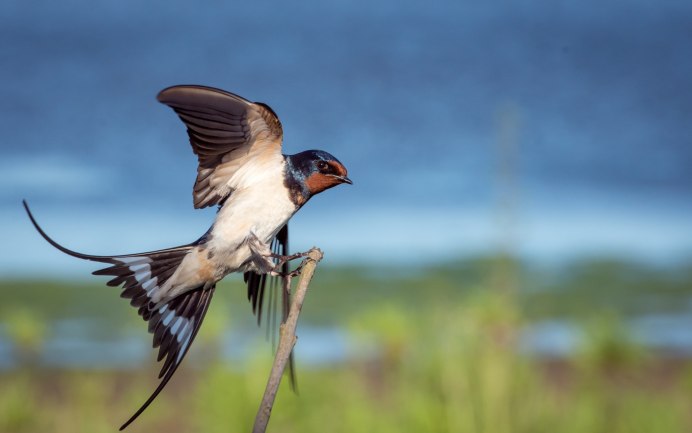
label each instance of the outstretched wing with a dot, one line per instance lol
(257, 287)
(226, 131)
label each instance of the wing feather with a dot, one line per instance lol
(225, 131)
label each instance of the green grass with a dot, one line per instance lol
(434, 351)
(443, 368)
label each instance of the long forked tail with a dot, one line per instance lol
(174, 323)
(140, 274)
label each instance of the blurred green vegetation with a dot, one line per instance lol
(570, 290)
(435, 350)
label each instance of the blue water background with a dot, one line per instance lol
(587, 105)
(80, 343)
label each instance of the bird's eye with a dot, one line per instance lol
(322, 166)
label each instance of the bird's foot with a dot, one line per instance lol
(281, 260)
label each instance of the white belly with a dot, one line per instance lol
(258, 211)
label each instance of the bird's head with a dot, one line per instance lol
(318, 170)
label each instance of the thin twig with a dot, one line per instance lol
(287, 339)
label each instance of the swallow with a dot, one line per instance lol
(257, 190)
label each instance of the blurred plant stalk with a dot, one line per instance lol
(505, 276)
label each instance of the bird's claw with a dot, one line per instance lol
(294, 273)
(289, 275)
(281, 260)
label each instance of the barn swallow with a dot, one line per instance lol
(257, 190)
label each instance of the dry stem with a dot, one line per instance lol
(287, 339)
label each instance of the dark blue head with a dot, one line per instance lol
(314, 171)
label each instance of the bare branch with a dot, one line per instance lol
(287, 339)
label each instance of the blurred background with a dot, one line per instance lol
(515, 254)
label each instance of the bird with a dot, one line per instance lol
(257, 189)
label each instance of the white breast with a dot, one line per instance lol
(261, 208)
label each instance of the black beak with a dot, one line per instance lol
(342, 179)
